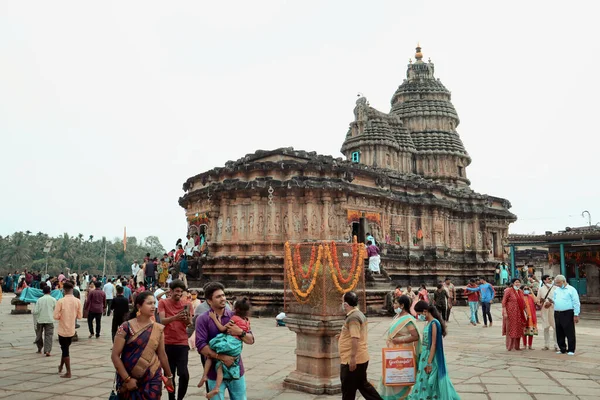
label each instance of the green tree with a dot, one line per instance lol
(16, 252)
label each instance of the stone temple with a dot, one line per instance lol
(403, 179)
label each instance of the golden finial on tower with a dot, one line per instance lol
(419, 55)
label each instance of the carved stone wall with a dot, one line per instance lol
(255, 206)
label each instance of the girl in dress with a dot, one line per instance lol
(531, 324)
(433, 381)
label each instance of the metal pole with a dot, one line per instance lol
(104, 269)
(512, 262)
(563, 266)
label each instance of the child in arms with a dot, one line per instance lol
(228, 345)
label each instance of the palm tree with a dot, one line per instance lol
(66, 249)
(17, 252)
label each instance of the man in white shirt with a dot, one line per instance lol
(135, 267)
(109, 290)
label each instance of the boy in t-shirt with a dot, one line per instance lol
(226, 344)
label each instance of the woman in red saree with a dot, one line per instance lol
(139, 353)
(531, 323)
(513, 315)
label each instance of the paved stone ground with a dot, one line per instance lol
(478, 364)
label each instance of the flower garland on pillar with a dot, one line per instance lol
(336, 276)
(326, 257)
(301, 296)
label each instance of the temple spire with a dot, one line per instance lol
(418, 55)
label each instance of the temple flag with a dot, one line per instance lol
(125, 238)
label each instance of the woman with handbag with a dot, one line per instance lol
(402, 333)
(139, 353)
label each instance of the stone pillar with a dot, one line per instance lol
(255, 234)
(317, 358)
(592, 272)
(408, 228)
(476, 230)
(326, 235)
(309, 196)
(290, 215)
(225, 211)
(214, 219)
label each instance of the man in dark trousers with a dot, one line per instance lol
(566, 314)
(95, 305)
(354, 353)
(120, 307)
(175, 315)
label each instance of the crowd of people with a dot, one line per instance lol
(154, 326)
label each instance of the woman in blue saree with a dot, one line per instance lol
(403, 333)
(433, 381)
(139, 353)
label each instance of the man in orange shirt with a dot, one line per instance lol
(67, 310)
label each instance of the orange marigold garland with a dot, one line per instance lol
(336, 264)
(298, 263)
(357, 272)
(300, 295)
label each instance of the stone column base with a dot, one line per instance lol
(317, 358)
(309, 384)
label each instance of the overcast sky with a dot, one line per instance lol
(106, 108)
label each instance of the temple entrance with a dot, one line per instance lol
(355, 229)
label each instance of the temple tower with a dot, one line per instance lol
(378, 139)
(423, 104)
(418, 136)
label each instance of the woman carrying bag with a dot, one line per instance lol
(139, 353)
(402, 333)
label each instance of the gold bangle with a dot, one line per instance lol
(127, 379)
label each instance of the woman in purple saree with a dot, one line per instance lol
(139, 353)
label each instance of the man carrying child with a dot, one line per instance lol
(207, 329)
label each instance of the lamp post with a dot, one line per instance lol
(589, 217)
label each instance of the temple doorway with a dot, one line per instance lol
(355, 230)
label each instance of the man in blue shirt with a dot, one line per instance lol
(566, 314)
(487, 296)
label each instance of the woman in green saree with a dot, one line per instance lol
(403, 333)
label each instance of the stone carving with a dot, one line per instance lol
(285, 223)
(234, 224)
(251, 223)
(305, 223)
(219, 226)
(269, 223)
(242, 228)
(479, 240)
(261, 224)
(331, 220)
(228, 225)
(297, 223)
(277, 225)
(313, 224)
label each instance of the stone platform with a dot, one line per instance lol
(478, 364)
